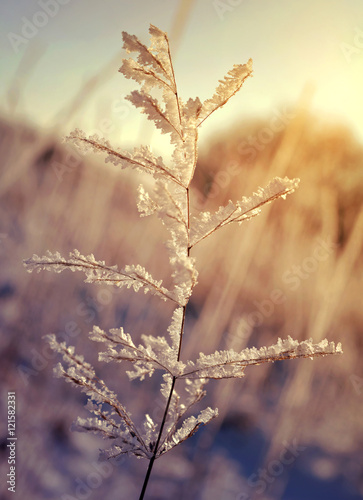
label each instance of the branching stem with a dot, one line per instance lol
(156, 447)
(153, 458)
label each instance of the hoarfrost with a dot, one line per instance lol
(183, 383)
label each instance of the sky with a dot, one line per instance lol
(51, 48)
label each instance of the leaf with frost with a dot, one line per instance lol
(194, 392)
(82, 370)
(175, 330)
(185, 276)
(227, 88)
(135, 277)
(191, 111)
(231, 364)
(169, 203)
(165, 386)
(147, 77)
(145, 203)
(205, 224)
(160, 47)
(155, 354)
(185, 153)
(188, 428)
(151, 108)
(95, 426)
(150, 431)
(124, 441)
(81, 374)
(141, 159)
(153, 63)
(126, 444)
(153, 68)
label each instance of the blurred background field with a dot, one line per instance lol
(294, 270)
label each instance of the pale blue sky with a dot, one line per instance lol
(291, 42)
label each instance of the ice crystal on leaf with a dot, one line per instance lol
(183, 381)
(227, 88)
(191, 425)
(230, 364)
(205, 223)
(141, 159)
(135, 277)
(116, 422)
(156, 354)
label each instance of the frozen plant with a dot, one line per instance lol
(170, 200)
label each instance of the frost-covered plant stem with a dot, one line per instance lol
(170, 200)
(153, 458)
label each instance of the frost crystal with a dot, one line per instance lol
(135, 277)
(156, 354)
(205, 224)
(227, 88)
(190, 427)
(228, 364)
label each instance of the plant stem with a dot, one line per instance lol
(153, 458)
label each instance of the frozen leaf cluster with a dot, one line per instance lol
(111, 419)
(205, 224)
(135, 277)
(227, 88)
(231, 364)
(141, 159)
(169, 199)
(155, 354)
(113, 422)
